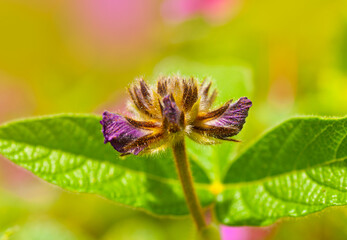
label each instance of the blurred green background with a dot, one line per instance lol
(289, 57)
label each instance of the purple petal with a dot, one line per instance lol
(119, 132)
(170, 110)
(234, 116)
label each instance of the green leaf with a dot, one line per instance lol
(298, 168)
(68, 150)
(212, 158)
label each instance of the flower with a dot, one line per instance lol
(177, 107)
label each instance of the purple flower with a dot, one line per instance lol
(177, 106)
(120, 132)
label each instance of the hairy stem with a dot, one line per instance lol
(185, 175)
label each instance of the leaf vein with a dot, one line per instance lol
(282, 199)
(323, 184)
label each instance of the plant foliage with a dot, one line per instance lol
(297, 168)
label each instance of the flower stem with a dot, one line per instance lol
(185, 176)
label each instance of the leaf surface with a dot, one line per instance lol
(298, 168)
(68, 151)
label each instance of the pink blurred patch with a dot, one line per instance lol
(116, 104)
(113, 20)
(12, 176)
(213, 10)
(114, 28)
(245, 233)
(15, 100)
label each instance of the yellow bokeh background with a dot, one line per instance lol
(79, 56)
